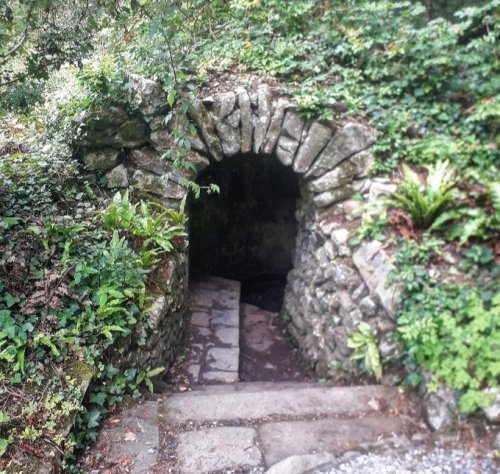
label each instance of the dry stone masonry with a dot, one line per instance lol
(331, 289)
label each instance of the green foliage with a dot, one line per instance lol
(73, 281)
(465, 223)
(154, 227)
(365, 346)
(450, 330)
(425, 202)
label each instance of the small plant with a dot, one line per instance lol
(154, 227)
(425, 201)
(363, 341)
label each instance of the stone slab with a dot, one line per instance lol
(132, 435)
(300, 464)
(221, 358)
(284, 439)
(217, 449)
(297, 399)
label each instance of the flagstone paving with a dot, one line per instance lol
(220, 425)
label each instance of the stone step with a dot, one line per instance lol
(249, 426)
(215, 325)
(253, 401)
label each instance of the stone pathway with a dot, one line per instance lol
(247, 427)
(215, 329)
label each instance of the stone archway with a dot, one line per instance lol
(329, 290)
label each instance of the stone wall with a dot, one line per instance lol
(331, 289)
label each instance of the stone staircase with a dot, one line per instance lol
(257, 427)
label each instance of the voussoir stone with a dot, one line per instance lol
(246, 119)
(201, 117)
(264, 109)
(101, 160)
(348, 140)
(274, 130)
(227, 121)
(317, 137)
(117, 177)
(147, 159)
(289, 140)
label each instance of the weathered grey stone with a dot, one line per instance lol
(220, 376)
(437, 413)
(300, 464)
(333, 196)
(152, 184)
(362, 162)
(274, 130)
(348, 140)
(289, 140)
(161, 140)
(496, 443)
(290, 399)
(221, 358)
(368, 307)
(228, 335)
(132, 134)
(324, 435)
(147, 159)
(340, 176)
(373, 265)
(223, 105)
(117, 177)
(200, 116)
(101, 160)
(492, 411)
(199, 161)
(389, 348)
(217, 449)
(226, 121)
(264, 108)
(246, 119)
(104, 119)
(146, 94)
(156, 122)
(293, 124)
(317, 137)
(139, 444)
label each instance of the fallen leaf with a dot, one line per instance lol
(130, 436)
(374, 404)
